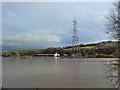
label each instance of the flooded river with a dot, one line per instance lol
(49, 72)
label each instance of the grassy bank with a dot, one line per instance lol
(95, 50)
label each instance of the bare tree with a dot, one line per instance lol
(113, 21)
(113, 28)
(113, 24)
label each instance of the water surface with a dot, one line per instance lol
(48, 72)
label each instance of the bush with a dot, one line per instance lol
(104, 56)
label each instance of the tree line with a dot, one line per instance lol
(102, 49)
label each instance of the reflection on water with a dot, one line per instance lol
(111, 69)
(119, 73)
(0, 72)
(58, 73)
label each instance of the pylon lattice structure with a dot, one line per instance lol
(75, 39)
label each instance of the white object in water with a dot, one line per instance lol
(56, 55)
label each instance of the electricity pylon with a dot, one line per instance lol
(75, 39)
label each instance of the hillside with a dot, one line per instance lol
(93, 50)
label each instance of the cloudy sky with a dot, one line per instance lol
(37, 25)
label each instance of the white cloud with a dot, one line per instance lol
(32, 39)
(21, 17)
(84, 12)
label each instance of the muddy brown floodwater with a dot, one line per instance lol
(49, 72)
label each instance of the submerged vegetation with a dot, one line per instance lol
(104, 49)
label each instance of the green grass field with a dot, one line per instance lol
(89, 47)
(86, 47)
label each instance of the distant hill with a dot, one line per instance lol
(106, 49)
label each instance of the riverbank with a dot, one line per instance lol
(95, 50)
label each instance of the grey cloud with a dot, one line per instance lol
(32, 39)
